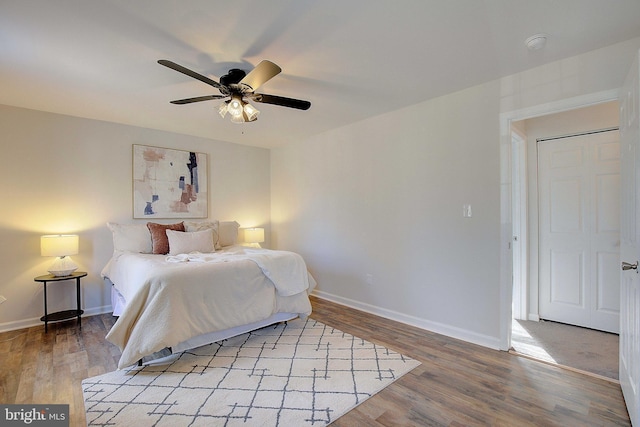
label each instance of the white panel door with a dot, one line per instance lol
(630, 244)
(579, 191)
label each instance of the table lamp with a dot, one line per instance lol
(254, 236)
(60, 246)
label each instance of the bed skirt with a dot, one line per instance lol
(168, 355)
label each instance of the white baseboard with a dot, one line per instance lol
(438, 328)
(28, 323)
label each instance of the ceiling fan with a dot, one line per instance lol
(238, 85)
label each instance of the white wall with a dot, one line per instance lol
(61, 174)
(385, 196)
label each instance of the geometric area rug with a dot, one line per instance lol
(303, 373)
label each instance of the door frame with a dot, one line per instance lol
(519, 243)
(511, 175)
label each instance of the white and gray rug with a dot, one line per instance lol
(304, 373)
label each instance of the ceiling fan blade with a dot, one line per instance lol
(192, 74)
(263, 72)
(282, 101)
(197, 99)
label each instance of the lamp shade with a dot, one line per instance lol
(254, 235)
(251, 112)
(59, 245)
(235, 106)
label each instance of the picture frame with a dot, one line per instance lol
(169, 183)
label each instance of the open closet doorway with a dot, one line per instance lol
(568, 169)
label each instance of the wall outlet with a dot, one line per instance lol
(466, 211)
(2, 299)
(369, 279)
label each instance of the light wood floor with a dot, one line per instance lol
(458, 384)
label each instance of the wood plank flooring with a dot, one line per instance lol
(462, 384)
(458, 384)
(48, 368)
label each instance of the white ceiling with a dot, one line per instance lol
(352, 59)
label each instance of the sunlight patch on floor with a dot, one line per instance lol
(523, 342)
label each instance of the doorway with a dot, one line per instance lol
(530, 127)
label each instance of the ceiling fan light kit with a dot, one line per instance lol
(240, 111)
(237, 85)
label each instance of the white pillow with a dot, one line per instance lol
(190, 226)
(181, 242)
(131, 237)
(228, 233)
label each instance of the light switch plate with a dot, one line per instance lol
(466, 211)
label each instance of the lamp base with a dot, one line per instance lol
(62, 266)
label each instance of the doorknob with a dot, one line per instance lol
(627, 266)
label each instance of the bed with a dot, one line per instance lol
(195, 286)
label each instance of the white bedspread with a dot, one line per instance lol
(174, 298)
(286, 270)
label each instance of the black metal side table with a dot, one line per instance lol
(66, 314)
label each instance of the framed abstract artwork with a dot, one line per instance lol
(169, 183)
